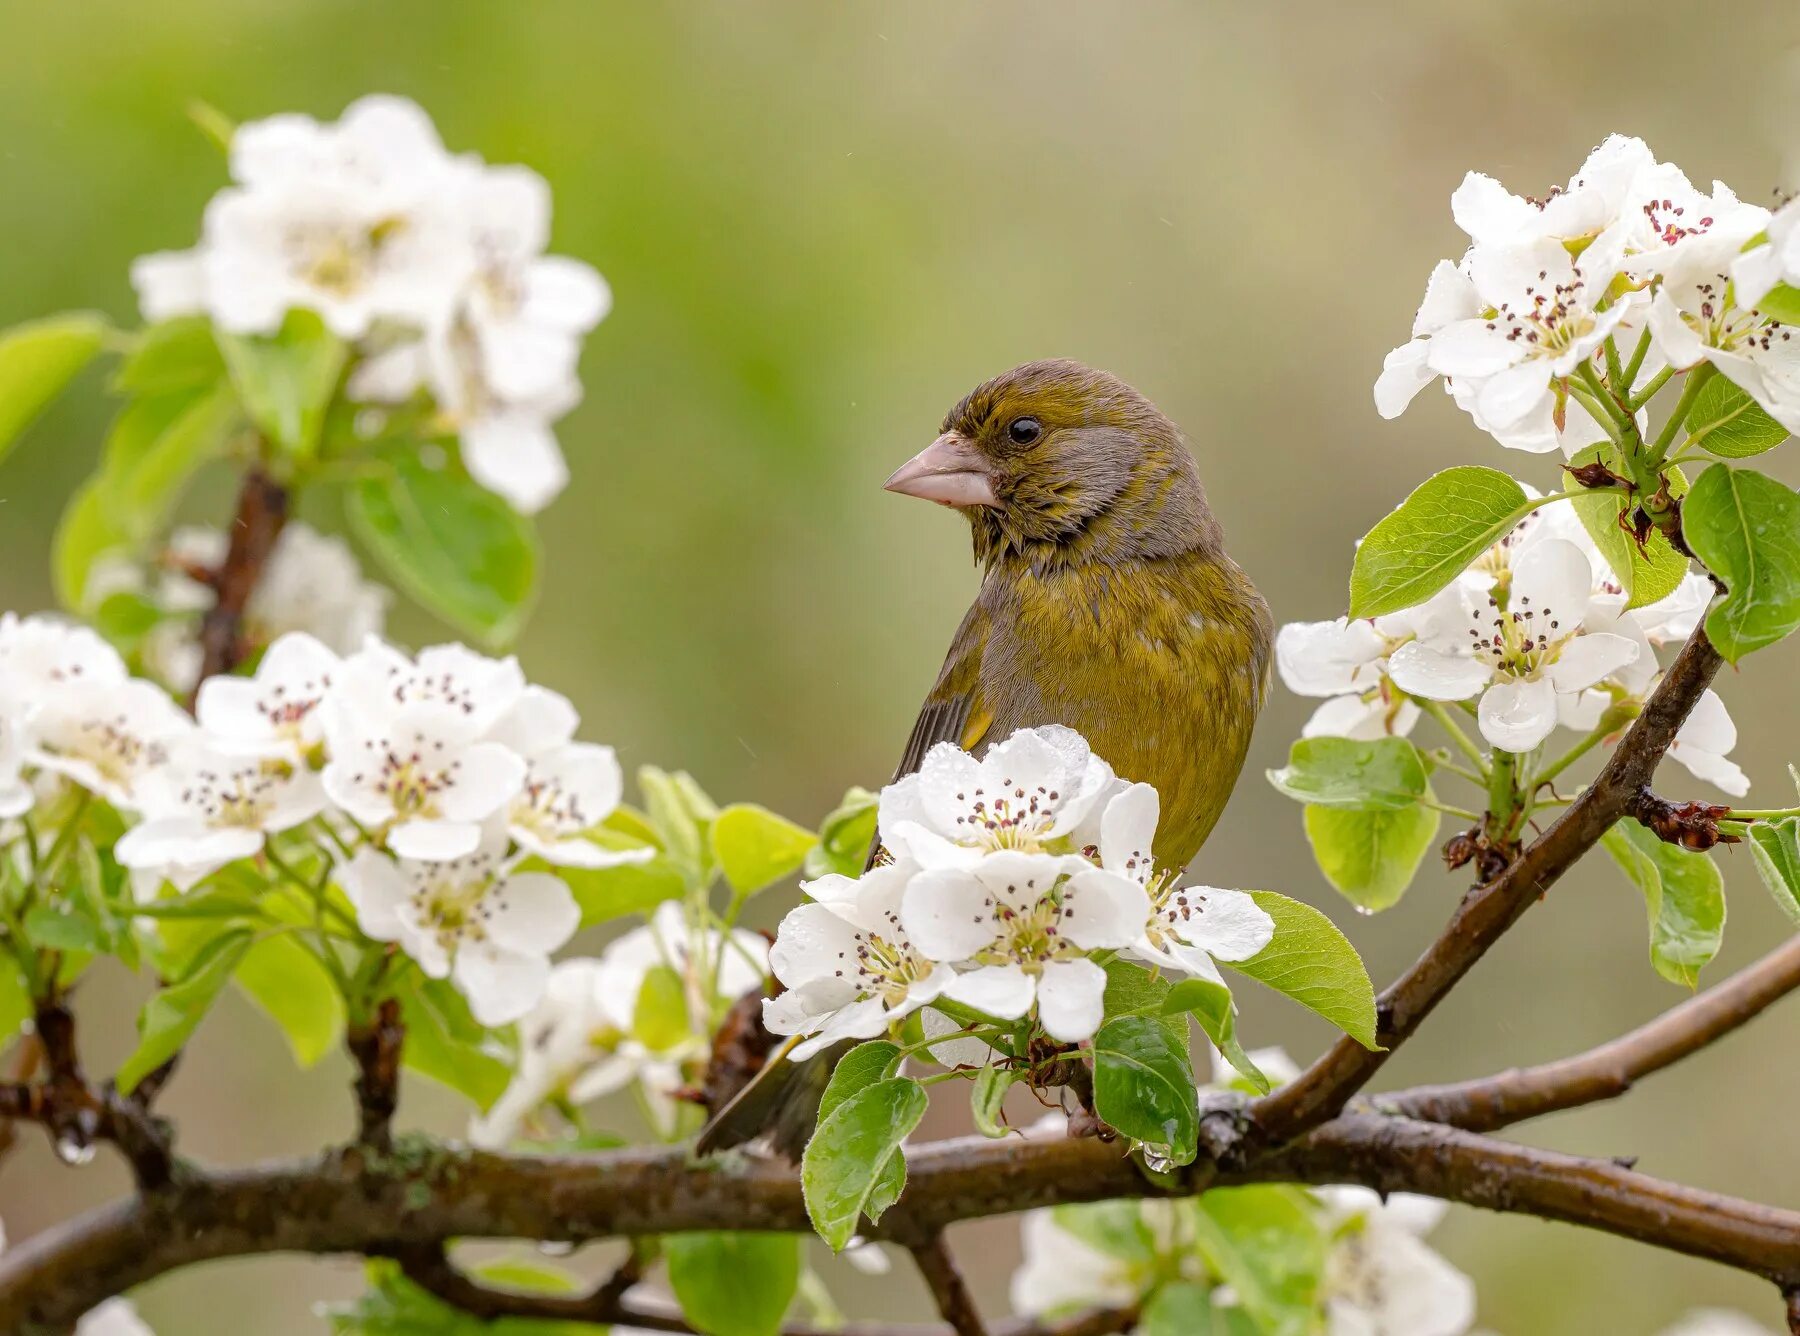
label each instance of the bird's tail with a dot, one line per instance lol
(781, 1102)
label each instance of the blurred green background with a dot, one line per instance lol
(823, 224)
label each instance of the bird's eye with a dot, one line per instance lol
(1024, 431)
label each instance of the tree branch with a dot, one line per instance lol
(948, 1288)
(1488, 911)
(419, 1197)
(375, 1045)
(1608, 1071)
(262, 511)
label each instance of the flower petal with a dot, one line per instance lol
(1424, 670)
(1001, 991)
(1516, 716)
(1071, 999)
(1590, 658)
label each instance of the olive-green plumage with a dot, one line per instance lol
(1107, 601)
(1107, 604)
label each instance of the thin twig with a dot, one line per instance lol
(262, 511)
(1608, 1071)
(375, 1045)
(948, 1288)
(1488, 911)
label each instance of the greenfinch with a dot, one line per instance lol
(1107, 604)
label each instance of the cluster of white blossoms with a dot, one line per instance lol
(432, 263)
(1380, 1277)
(441, 773)
(1003, 875)
(597, 1030)
(312, 583)
(1629, 245)
(1536, 632)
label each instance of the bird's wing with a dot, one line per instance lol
(954, 710)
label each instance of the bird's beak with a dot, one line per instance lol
(949, 471)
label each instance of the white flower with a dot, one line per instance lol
(206, 806)
(1597, 198)
(1523, 657)
(313, 584)
(41, 655)
(570, 787)
(1030, 790)
(115, 1317)
(1775, 261)
(1716, 1322)
(16, 795)
(570, 1044)
(1703, 742)
(1023, 924)
(106, 736)
(276, 712)
(1272, 1062)
(379, 680)
(350, 220)
(1380, 1277)
(1061, 1271)
(848, 962)
(1187, 927)
(489, 931)
(420, 772)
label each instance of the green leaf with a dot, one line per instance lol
(1781, 302)
(1185, 1308)
(732, 1284)
(15, 999)
(1775, 848)
(179, 354)
(1370, 857)
(1646, 574)
(1685, 897)
(55, 930)
(1265, 1242)
(1115, 1228)
(394, 1306)
(37, 362)
(681, 822)
(285, 381)
(845, 1171)
(862, 1066)
(755, 848)
(444, 1042)
(1312, 962)
(1746, 528)
(1381, 776)
(455, 548)
(659, 1020)
(987, 1098)
(844, 836)
(171, 1015)
(605, 893)
(1726, 421)
(1210, 1004)
(141, 494)
(290, 986)
(84, 534)
(1144, 1086)
(1449, 521)
(1132, 990)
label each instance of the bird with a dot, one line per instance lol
(1108, 604)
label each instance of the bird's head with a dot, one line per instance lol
(1055, 462)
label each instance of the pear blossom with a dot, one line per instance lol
(42, 655)
(114, 1317)
(572, 1045)
(313, 583)
(1703, 742)
(277, 711)
(570, 787)
(1520, 649)
(1776, 260)
(106, 736)
(1597, 200)
(1273, 1062)
(16, 795)
(849, 965)
(489, 930)
(419, 772)
(1060, 1271)
(1021, 925)
(349, 220)
(1716, 1322)
(1187, 927)
(1381, 1279)
(1026, 793)
(379, 679)
(206, 806)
